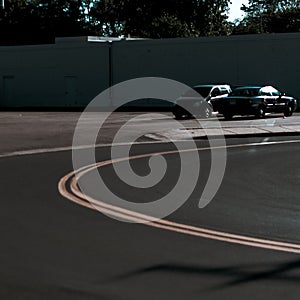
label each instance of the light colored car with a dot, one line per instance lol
(200, 101)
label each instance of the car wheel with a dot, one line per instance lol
(178, 116)
(288, 111)
(261, 113)
(177, 112)
(189, 116)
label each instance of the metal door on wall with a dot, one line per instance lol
(8, 91)
(71, 92)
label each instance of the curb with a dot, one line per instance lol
(246, 135)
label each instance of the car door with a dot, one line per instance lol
(279, 100)
(214, 97)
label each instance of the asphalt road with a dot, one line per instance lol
(52, 248)
(21, 131)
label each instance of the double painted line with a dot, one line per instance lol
(68, 187)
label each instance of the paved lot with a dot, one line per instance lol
(39, 130)
(52, 248)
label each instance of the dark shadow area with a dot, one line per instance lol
(277, 272)
(41, 109)
(82, 108)
(249, 135)
(249, 118)
(232, 275)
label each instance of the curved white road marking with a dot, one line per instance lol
(78, 197)
(69, 148)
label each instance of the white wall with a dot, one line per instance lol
(250, 59)
(69, 73)
(73, 71)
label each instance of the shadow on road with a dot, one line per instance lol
(248, 118)
(233, 275)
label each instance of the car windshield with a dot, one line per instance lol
(270, 90)
(248, 92)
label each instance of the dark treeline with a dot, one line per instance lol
(39, 21)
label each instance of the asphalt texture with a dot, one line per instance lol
(52, 248)
(25, 131)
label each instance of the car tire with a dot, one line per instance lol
(260, 113)
(178, 116)
(177, 112)
(189, 116)
(288, 111)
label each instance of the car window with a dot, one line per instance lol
(276, 93)
(215, 92)
(253, 92)
(265, 93)
(246, 92)
(241, 92)
(269, 91)
(224, 91)
(203, 90)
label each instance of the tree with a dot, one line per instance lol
(270, 16)
(30, 21)
(39, 21)
(161, 19)
(20, 23)
(211, 17)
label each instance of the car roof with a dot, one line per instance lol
(210, 85)
(249, 87)
(260, 87)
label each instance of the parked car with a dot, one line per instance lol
(257, 101)
(200, 100)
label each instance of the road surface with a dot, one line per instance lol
(52, 248)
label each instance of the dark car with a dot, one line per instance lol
(257, 101)
(200, 100)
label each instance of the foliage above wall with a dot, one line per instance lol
(38, 21)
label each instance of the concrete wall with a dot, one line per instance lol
(69, 73)
(251, 59)
(73, 71)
